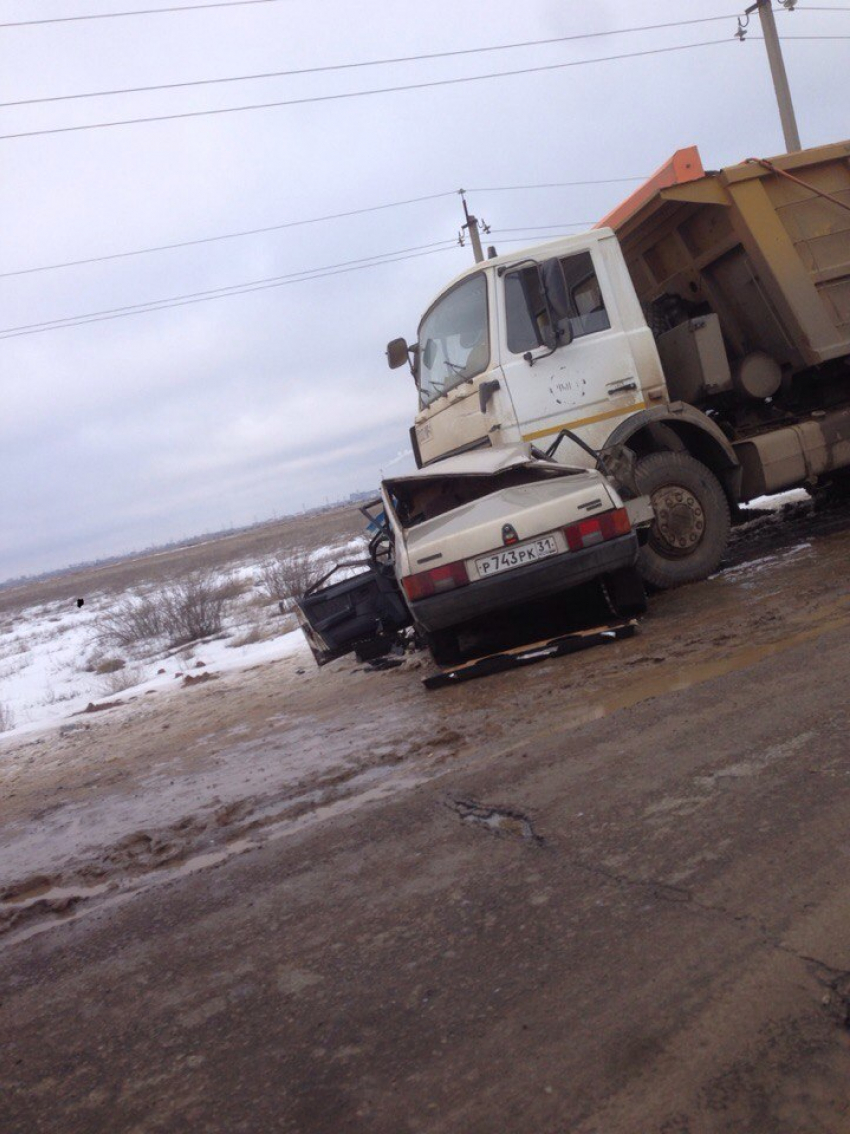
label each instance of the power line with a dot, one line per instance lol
(244, 288)
(243, 3)
(366, 63)
(138, 12)
(363, 94)
(249, 286)
(227, 235)
(310, 220)
(246, 283)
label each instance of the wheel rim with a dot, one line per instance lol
(679, 521)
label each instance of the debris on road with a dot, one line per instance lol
(530, 654)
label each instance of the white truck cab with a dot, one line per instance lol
(492, 369)
(520, 348)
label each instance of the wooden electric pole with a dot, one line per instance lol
(777, 71)
(471, 227)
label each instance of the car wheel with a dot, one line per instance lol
(443, 645)
(624, 593)
(691, 527)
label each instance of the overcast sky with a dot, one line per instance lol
(127, 432)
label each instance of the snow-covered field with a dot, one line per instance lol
(55, 662)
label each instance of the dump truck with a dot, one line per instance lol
(695, 346)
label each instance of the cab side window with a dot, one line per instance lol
(526, 312)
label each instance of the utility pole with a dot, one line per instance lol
(471, 227)
(777, 69)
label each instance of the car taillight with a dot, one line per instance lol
(438, 579)
(597, 529)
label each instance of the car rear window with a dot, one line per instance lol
(418, 500)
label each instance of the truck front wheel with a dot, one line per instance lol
(691, 527)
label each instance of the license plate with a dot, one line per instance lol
(517, 556)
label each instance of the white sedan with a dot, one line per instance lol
(495, 528)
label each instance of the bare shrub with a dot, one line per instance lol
(109, 665)
(194, 607)
(183, 611)
(7, 718)
(288, 574)
(135, 620)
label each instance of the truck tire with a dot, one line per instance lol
(691, 528)
(624, 593)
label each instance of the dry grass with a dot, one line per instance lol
(250, 638)
(121, 679)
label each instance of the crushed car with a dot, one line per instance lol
(467, 539)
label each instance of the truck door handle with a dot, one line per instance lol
(486, 391)
(622, 387)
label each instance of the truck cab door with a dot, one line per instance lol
(466, 405)
(590, 379)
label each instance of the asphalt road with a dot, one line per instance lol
(621, 906)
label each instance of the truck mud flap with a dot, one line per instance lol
(531, 654)
(360, 614)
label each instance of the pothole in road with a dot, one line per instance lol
(498, 820)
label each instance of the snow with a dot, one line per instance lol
(765, 562)
(779, 500)
(48, 652)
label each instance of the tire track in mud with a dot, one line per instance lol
(155, 856)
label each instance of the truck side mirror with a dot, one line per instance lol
(397, 353)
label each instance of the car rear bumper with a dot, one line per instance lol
(534, 581)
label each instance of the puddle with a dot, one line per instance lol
(499, 820)
(52, 896)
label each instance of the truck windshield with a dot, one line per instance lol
(454, 343)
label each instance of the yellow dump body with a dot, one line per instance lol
(764, 244)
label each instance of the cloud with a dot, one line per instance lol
(125, 432)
